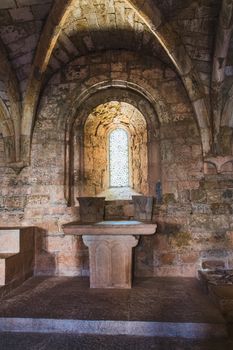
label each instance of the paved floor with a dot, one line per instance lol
(150, 299)
(71, 342)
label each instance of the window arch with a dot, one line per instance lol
(118, 158)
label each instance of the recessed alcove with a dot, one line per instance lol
(112, 99)
(114, 148)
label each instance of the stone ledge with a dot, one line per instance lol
(218, 285)
(100, 327)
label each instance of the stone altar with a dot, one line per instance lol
(110, 246)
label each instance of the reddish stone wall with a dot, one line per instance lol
(2, 155)
(98, 125)
(194, 231)
(195, 217)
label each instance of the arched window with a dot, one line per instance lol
(118, 158)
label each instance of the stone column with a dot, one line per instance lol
(110, 260)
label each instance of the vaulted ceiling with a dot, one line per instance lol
(38, 37)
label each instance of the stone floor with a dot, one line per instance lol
(218, 285)
(150, 299)
(169, 301)
(24, 341)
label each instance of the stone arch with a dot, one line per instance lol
(113, 93)
(227, 115)
(225, 136)
(13, 113)
(162, 31)
(5, 120)
(222, 43)
(175, 49)
(104, 119)
(7, 130)
(47, 42)
(156, 101)
(71, 87)
(74, 81)
(150, 87)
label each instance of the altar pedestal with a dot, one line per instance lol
(110, 246)
(110, 260)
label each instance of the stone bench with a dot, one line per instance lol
(16, 255)
(8, 266)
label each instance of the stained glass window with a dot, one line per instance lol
(119, 158)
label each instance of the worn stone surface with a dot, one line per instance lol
(110, 260)
(91, 209)
(218, 284)
(143, 206)
(69, 58)
(104, 119)
(183, 297)
(110, 245)
(218, 276)
(56, 342)
(16, 256)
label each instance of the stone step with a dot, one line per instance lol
(187, 330)
(158, 307)
(29, 341)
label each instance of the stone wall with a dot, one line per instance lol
(195, 216)
(2, 154)
(99, 124)
(194, 231)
